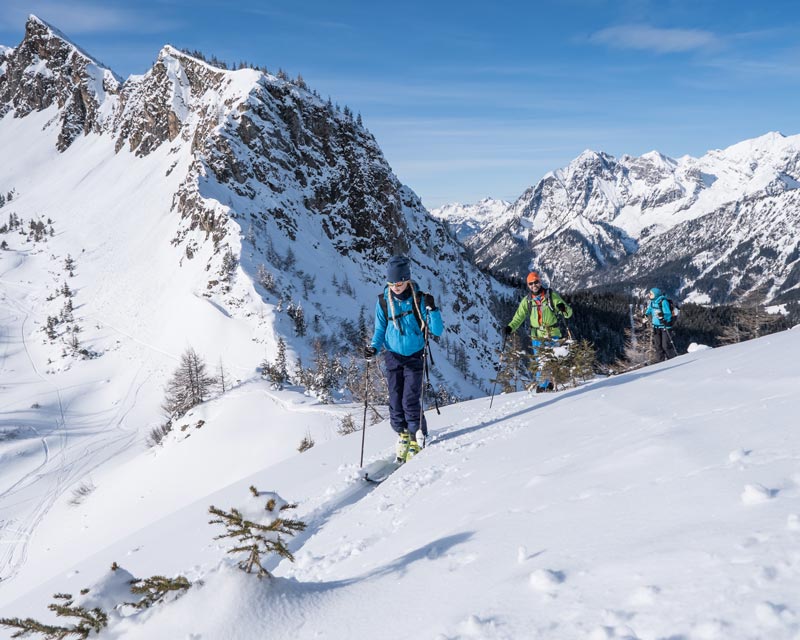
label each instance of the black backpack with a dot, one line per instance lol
(414, 308)
(674, 310)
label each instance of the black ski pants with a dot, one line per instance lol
(662, 346)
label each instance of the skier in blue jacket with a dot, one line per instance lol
(402, 314)
(661, 316)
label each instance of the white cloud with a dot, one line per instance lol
(647, 38)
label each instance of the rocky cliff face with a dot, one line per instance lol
(269, 176)
(716, 228)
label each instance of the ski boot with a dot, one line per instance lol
(403, 444)
(420, 438)
(413, 449)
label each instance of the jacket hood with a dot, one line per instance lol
(656, 292)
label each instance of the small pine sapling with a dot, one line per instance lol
(257, 530)
(89, 620)
(156, 588)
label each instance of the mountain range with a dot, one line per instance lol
(721, 228)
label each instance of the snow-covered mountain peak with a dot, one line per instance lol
(602, 217)
(465, 219)
(52, 44)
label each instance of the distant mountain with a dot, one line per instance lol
(465, 220)
(720, 228)
(233, 177)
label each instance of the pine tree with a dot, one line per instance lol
(258, 537)
(222, 377)
(582, 361)
(50, 327)
(510, 364)
(189, 386)
(265, 279)
(296, 313)
(276, 372)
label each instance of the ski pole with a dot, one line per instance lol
(669, 335)
(426, 380)
(497, 370)
(366, 404)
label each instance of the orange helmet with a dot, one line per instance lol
(533, 276)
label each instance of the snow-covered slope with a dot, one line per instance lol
(663, 503)
(200, 207)
(721, 227)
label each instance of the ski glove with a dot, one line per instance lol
(507, 331)
(561, 307)
(430, 304)
(370, 352)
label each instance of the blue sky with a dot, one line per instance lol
(470, 100)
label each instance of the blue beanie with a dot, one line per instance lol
(398, 269)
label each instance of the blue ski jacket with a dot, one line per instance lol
(400, 332)
(662, 320)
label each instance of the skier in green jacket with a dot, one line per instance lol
(542, 307)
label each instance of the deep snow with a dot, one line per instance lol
(658, 504)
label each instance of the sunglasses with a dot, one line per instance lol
(397, 284)
(534, 283)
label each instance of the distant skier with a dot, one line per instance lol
(402, 314)
(661, 316)
(542, 307)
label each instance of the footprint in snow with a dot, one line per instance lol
(757, 494)
(739, 455)
(475, 627)
(711, 630)
(546, 580)
(775, 616)
(612, 633)
(645, 596)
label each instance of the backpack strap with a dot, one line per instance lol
(414, 307)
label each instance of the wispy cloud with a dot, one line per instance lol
(83, 17)
(658, 40)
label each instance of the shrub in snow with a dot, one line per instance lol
(157, 434)
(306, 443)
(346, 425)
(257, 529)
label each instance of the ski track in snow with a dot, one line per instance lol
(63, 461)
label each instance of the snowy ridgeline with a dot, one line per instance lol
(663, 503)
(719, 228)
